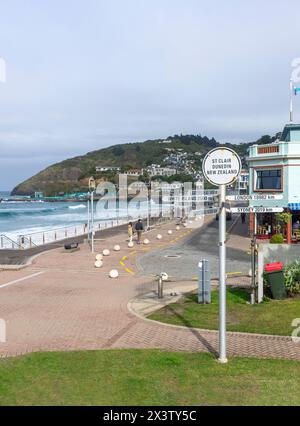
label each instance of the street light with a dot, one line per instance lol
(92, 187)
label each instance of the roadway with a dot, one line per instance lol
(181, 260)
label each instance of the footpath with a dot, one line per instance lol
(61, 302)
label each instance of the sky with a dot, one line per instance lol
(82, 75)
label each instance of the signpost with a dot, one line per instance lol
(221, 167)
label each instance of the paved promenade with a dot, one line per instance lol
(61, 302)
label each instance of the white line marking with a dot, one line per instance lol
(22, 279)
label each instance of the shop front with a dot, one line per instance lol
(274, 170)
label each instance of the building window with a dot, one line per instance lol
(269, 179)
(268, 149)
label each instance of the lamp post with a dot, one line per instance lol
(92, 187)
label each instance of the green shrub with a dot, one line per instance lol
(276, 239)
(292, 278)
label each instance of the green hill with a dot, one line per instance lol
(71, 175)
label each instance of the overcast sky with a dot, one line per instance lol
(86, 74)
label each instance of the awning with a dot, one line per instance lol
(294, 206)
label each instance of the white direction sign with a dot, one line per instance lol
(256, 209)
(221, 166)
(255, 197)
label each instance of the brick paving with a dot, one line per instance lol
(71, 305)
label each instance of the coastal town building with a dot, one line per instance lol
(38, 194)
(107, 169)
(242, 183)
(275, 169)
(161, 171)
(134, 172)
(166, 141)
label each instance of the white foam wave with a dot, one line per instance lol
(80, 206)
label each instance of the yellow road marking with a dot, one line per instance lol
(122, 263)
(129, 271)
(124, 257)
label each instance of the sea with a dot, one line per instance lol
(31, 217)
(19, 218)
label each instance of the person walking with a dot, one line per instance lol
(139, 227)
(130, 231)
(243, 217)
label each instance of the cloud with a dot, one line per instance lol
(84, 75)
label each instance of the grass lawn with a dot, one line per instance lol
(146, 377)
(270, 317)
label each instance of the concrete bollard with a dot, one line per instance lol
(98, 264)
(117, 247)
(106, 252)
(159, 236)
(113, 273)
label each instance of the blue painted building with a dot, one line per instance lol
(275, 169)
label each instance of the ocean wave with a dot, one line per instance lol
(80, 206)
(24, 212)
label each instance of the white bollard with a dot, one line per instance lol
(106, 252)
(164, 276)
(170, 232)
(113, 273)
(159, 236)
(98, 264)
(117, 247)
(177, 228)
(146, 241)
(130, 244)
(99, 256)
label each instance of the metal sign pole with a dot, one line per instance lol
(222, 276)
(92, 219)
(291, 100)
(253, 259)
(92, 187)
(88, 214)
(221, 167)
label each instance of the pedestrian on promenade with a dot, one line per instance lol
(139, 227)
(243, 217)
(130, 231)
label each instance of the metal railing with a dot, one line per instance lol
(34, 239)
(7, 243)
(26, 242)
(49, 236)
